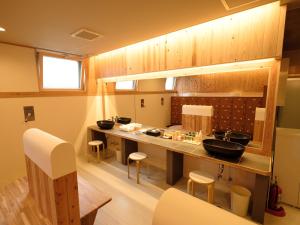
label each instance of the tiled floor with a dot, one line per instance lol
(134, 204)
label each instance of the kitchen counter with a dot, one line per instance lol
(250, 162)
(256, 164)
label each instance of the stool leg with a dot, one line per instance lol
(128, 167)
(148, 170)
(193, 188)
(98, 153)
(210, 193)
(88, 153)
(189, 186)
(138, 172)
(104, 152)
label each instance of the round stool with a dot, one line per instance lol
(137, 157)
(96, 144)
(204, 179)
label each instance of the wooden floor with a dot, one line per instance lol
(131, 204)
(134, 204)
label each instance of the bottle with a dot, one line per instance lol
(200, 136)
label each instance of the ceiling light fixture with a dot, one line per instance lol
(2, 29)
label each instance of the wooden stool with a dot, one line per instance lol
(201, 178)
(96, 144)
(137, 157)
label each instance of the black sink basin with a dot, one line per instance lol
(105, 124)
(123, 120)
(238, 137)
(223, 148)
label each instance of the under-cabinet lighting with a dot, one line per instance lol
(2, 29)
(193, 71)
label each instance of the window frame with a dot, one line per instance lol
(126, 90)
(61, 56)
(174, 84)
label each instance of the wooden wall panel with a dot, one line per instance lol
(111, 64)
(234, 113)
(135, 59)
(245, 81)
(258, 131)
(155, 55)
(253, 34)
(271, 102)
(197, 123)
(179, 49)
(294, 61)
(57, 199)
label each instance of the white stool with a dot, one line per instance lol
(137, 157)
(96, 144)
(201, 178)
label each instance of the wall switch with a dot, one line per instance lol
(142, 103)
(162, 101)
(29, 113)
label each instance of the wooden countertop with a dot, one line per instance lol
(18, 207)
(250, 162)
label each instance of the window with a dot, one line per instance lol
(125, 85)
(170, 83)
(60, 73)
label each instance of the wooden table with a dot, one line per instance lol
(257, 164)
(17, 207)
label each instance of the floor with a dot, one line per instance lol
(134, 204)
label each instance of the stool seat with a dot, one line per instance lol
(137, 156)
(201, 177)
(95, 143)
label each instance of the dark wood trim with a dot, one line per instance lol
(41, 49)
(260, 198)
(174, 167)
(44, 94)
(139, 92)
(127, 147)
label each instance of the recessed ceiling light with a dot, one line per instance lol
(2, 29)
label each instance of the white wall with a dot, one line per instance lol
(65, 117)
(18, 69)
(289, 113)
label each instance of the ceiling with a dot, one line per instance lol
(49, 24)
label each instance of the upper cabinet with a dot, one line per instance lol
(155, 54)
(249, 35)
(253, 34)
(111, 63)
(179, 49)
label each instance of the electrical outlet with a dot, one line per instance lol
(29, 113)
(142, 103)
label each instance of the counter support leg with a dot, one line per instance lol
(174, 167)
(127, 147)
(260, 198)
